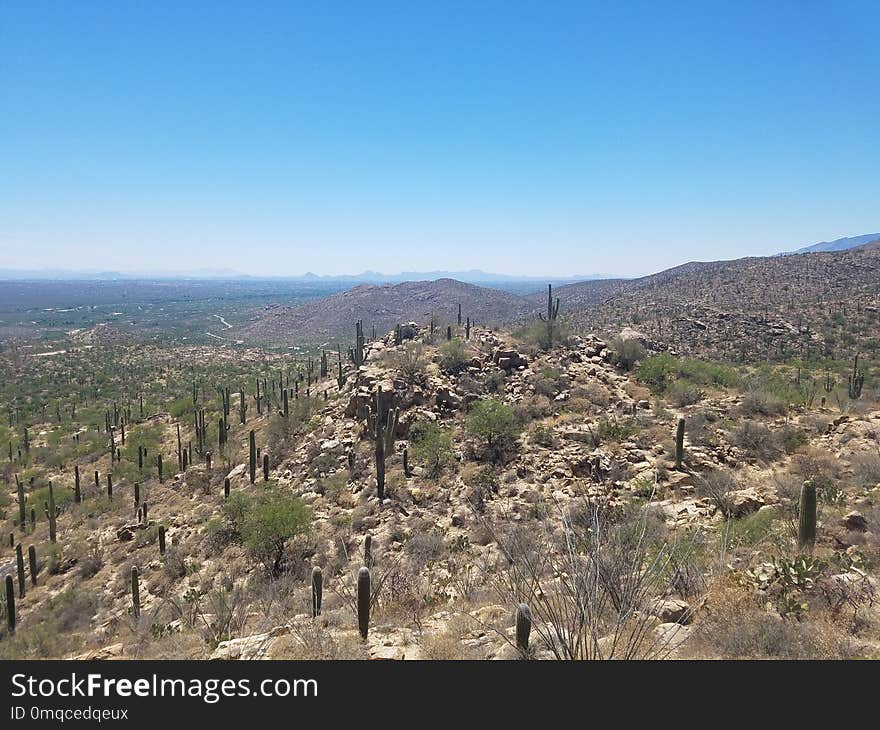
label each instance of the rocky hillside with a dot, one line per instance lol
(507, 467)
(381, 308)
(805, 306)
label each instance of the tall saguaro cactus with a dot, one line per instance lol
(856, 380)
(32, 562)
(357, 353)
(19, 564)
(807, 516)
(552, 314)
(52, 514)
(382, 426)
(252, 444)
(22, 514)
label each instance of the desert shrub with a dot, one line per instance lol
(541, 335)
(431, 446)
(615, 565)
(447, 646)
(615, 430)
(866, 468)
(482, 484)
(266, 521)
(626, 352)
(701, 428)
(595, 393)
(544, 436)
(453, 355)
(424, 548)
(716, 485)
(763, 402)
(683, 394)
(411, 362)
(735, 627)
(756, 440)
(90, 562)
(282, 433)
(792, 438)
(549, 382)
(180, 408)
(659, 372)
(494, 423)
(494, 381)
(39, 498)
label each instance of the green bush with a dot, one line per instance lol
(432, 446)
(493, 422)
(265, 522)
(659, 372)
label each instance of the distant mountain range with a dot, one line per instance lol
(841, 244)
(474, 276)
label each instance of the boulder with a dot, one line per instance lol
(672, 611)
(855, 522)
(745, 501)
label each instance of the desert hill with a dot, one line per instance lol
(816, 304)
(382, 307)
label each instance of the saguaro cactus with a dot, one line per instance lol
(265, 467)
(363, 601)
(807, 516)
(161, 539)
(357, 353)
(52, 514)
(77, 494)
(135, 593)
(523, 629)
(317, 590)
(679, 443)
(22, 514)
(32, 562)
(10, 604)
(226, 488)
(382, 427)
(19, 564)
(856, 380)
(552, 314)
(252, 439)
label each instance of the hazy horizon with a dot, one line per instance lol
(580, 139)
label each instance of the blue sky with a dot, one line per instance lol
(543, 138)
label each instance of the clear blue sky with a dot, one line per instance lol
(544, 138)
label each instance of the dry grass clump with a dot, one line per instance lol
(733, 625)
